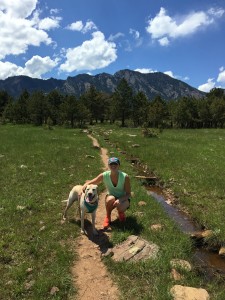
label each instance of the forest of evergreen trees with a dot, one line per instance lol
(123, 105)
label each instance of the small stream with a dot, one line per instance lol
(185, 224)
(210, 262)
(207, 262)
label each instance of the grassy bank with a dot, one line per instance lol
(38, 168)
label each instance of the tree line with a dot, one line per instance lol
(123, 105)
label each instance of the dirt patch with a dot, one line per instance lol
(90, 275)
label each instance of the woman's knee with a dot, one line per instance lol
(109, 199)
(122, 207)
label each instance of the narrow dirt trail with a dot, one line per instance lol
(90, 275)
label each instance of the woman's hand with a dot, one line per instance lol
(83, 189)
(116, 202)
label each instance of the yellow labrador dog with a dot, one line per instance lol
(88, 203)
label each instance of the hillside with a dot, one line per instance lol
(152, 84)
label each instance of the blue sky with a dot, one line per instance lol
(59, 38)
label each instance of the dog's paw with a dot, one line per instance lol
(82, 231)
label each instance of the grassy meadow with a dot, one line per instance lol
(190, 162)
(38, 169)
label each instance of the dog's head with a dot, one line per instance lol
(91, 193)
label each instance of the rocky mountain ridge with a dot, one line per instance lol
(152, 84)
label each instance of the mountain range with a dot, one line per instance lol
(152, 84)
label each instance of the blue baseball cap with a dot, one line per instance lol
(114, 160)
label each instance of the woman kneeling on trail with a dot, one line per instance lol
(118, 190)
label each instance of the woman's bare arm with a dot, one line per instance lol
(97, 180)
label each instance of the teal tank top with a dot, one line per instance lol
(116, 191)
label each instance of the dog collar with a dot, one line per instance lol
(90, 207)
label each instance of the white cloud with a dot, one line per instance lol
(8, 69)
(89, 26)
(46, 23)
(125, 44)
(54, 11)
(221, 76)
(135, 33)
(79, 26)
(211, 83)
(76, 26)
(218, 13)
(164, 28)
(145, 70)
(115, 36)
(122, 43)
(206, 87)
(164, 41)
(136, 36)
(95, 53)
(18, 9)
(35, 67)
(170, 73)
(49, 23)
(17, 31)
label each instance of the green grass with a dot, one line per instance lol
(38, 169)
(186, 161)
(191, 162)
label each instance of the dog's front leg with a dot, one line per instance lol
(93, 216)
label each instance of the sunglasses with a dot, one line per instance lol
(113, 164)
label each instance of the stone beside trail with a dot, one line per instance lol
(134, 249)
(180, 292)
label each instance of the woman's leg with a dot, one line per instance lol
(121, 207)
(109, 205)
